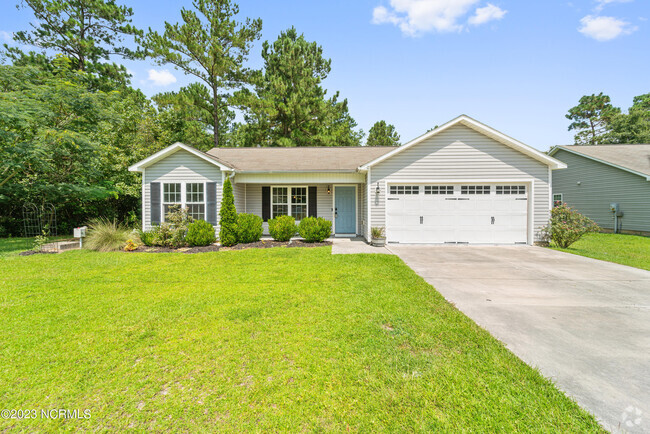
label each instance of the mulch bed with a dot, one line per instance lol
(264, 244)
(34, 252)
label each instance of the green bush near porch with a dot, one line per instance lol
(315, 230)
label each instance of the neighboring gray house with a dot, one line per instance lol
(463, 182)
(601, 175)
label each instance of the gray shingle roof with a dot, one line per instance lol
(300, 159)
(632, 157)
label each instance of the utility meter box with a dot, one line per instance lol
(80, 232)
(613, 207)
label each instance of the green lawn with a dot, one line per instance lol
(13, 246)
(623, 249)
(282, 339)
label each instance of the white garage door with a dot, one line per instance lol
(477, 214)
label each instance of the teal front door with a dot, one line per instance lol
(345, 210)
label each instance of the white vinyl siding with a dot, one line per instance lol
(462, 154)
(239, 191)
(180, 167)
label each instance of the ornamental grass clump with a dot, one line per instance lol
(106, 235)
(567, 226)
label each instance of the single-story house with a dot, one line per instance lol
(462, 182)
(601, 178)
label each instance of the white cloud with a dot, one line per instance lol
(6, 36)
(161, 78)
(604, 28)
(415, 17)
(602, 3)
(485, 14)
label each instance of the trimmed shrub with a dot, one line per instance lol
(106, 235)
(148, 238)
(200, 233)
(567, 226)
(249, 228)
(315, 230)
(282, 228)
(228, 217)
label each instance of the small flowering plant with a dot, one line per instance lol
(567, 226)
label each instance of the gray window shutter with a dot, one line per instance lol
(266, 203)
(313, 192)
(155, 203)
(211, 203)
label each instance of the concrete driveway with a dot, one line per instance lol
(584, 323)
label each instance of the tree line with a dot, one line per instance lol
(71, 122)
(596, 121)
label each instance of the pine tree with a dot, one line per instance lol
(211, 46)
(382, 134)
(228, 217)
(289, 106)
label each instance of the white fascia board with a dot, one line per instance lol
(481, 128)
(557, 148)
(137, 167)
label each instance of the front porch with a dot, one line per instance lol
(343, 204)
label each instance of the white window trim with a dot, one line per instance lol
(184, 202)
(561, 198)
(289, 187)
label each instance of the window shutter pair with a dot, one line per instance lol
(210, 202)
(266, 202)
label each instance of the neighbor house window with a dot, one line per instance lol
(195, 200)
(171, 197)
(557, 199)
(290, 201)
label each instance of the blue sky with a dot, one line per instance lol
(517, 66)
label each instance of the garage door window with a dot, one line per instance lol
(404, 189)
(475, 189)
(438, 189)
(511, 189)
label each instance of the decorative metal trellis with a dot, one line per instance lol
(37, 220)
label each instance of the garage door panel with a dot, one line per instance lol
(482, 217)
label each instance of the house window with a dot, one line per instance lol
(557, 199)
(511, 189)
(475, 189)
(290, 201)
(195, 200)
(299, 202)
(438, 189)
(404, 189)
(184, 195)
(171, 197)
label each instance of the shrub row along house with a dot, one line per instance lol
(605, 180)
(462, 182)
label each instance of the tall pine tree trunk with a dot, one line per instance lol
(215, 108)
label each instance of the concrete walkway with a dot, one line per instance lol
(351, 246)
(584, 323)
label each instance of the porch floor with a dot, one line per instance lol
(351, 246)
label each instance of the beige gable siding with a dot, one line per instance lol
(181, 166)
(600, 185)
(461, 154)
